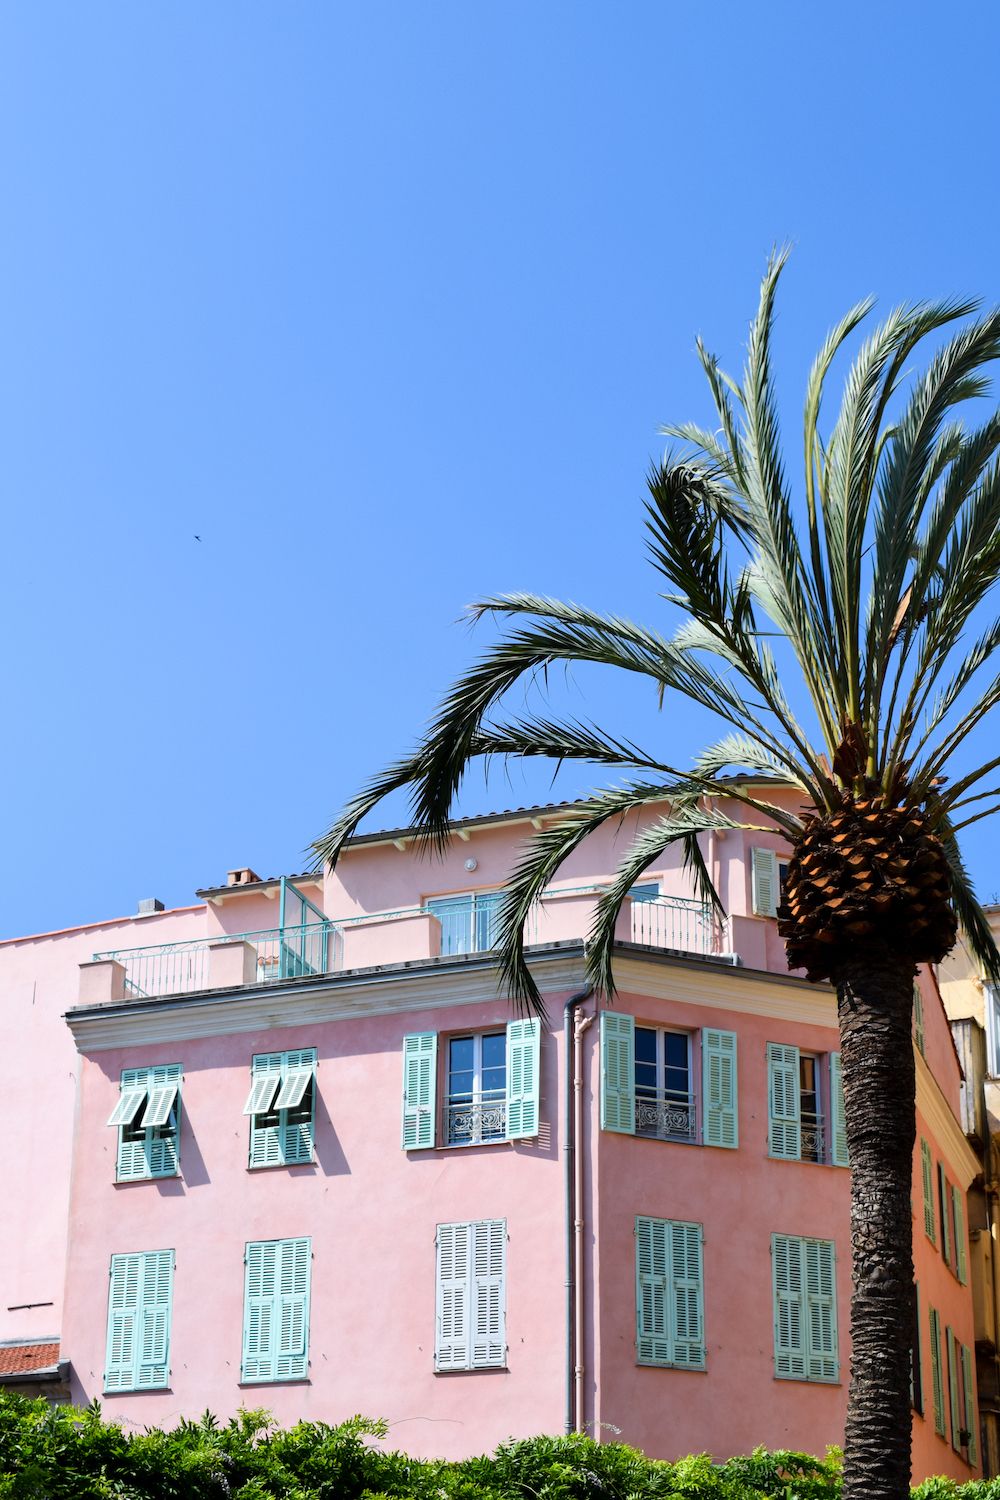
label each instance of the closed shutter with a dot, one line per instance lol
(451, 1345)
(720, 1111)
(764, 881)
(523, 1046)
(489, 1243)
(292, 1310)
(961, 1263)
(139, 1308)
(783, 1129)
(838, 1123)
(970, 1405)
(916, 1364)
(258, 1310)
(805, 1308)
(652, 1292)
(927, 1171)
(686, 1294)
(419, 1090)
(669, 1298)
(956, 1415)
(918, 1019)
(944, 1200)
(789, 1327)
(276, 1310)
(937, 1386)
(821, 1307)
(617, 1072)
(471, 1296)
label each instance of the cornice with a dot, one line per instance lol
(782, 997)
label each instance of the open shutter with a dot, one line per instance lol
(764, 881)
(451, 1345)
(937, 1385)
(123, 1316)
(153, 1328)
(927, 1171)
(956, 1415)
(293, 1088)
(918, 1019)
(790, 1358)
(821, 1309)
(127, 1108)
(419, 1090)
(968, 1391)
(838, 1124)
(161, 1102)
(292, 1309)
(263, 1087)
(617, 1072)
(259, 1331)
(961, 1263)
(720, 1112)
(783, 1130)
(944, 1200)
(652, 1292)
(523, 1046)
(686, 1298)
(295, 1120)
(489, 1342)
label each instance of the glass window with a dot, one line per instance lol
(811, 1113)
(664, 1101)
(468, 923)
(476, 1089)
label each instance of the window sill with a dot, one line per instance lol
(249, 1385)
(281, 1166)
(140, 1390)
(137, 1181)
(655, 1364)
(475, 1370)
(811, 1379)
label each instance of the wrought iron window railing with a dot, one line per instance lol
(666, 1116)
(812, 1137)
(471, 1122)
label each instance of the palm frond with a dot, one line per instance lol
(971, 916)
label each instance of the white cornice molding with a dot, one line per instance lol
(782, 997)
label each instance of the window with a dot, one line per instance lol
(647, 1082)
(918, 1020)
(802, 1124)
(468, 923)
(952, 1221)
(768, 873)
(927, 1172)
(147, 1119)
(916, 1372)
(668, 1294)
(471, 1296)
(281, 1106)
(961, 1398)
(805, 1308)
(139, 1305)
(489, 1089)
(664, 1100)
(276, 1310)
(991, 1005)
(937, 1383)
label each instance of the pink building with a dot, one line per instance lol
(296, 1151)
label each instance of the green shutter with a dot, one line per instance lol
(970, 1405)
(523, 1046)
(821, 1309)
(292, 1310)
(918, 1020)
(282, 1133)
(927, 1169)
(419, 1090)
(139, 1313)
(789, 1324)
(916, 1364)
(148, 1145)
(720, 1110)
(686, 1296)
(937, 1386)
(617, 1072)
(947, 1249)
(805, 1308)
(956, 1416)
(838, 1124)
(276, 1310)
(961, 1263)
(783, 1130)
(764, 882)
(652, 1292)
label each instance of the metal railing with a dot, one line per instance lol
(812, 1137)
(183, 968)
(680, 923)
(470, 1121)
(666, 1116)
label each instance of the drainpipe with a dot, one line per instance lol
(581, 1024)
(572, 1106)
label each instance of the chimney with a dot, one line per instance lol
(149, 905)
(246, 876)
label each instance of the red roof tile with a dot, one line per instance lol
(20, 1359)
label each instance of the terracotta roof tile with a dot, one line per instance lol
(20, 1359)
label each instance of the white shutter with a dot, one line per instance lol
(262, 1091)
(451, 1344)
(783, 1128)
(128, 1104)
(489, 1341)
(471, 1296)
(523, 1047)
(720, 1114)
(764, 882)
(838, 1124)
(617, 1072)
(292, 1090)
(161, 1102)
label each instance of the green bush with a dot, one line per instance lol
(64, 1453)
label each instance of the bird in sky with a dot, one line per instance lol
(197, 537)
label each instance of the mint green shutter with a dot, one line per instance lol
(686, 1296)
(937, 1385)
(968, 1391)
(419, 1090)
(292, 1309)
(918, 1019)
(790, 1358)
(139, 1312)
(720, 1111)
(523, 1048)
(805, 1308)
(764, 882)
(927, 1170)
(123, 1309)
(148, 1147)
(961, 1263)
(821, 1309)
(944, 1197)
(617, 1072)
(265, 1125)
(783, 1128)
(154, 1319)
(838, 1123)
(296, 1116)
(259, 1333)
(652, 1292)
(955, 1414)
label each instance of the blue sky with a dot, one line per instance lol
(386, 302)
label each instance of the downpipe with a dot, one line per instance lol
(573, 1185)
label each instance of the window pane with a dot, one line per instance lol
(461, 1059)
(676, 1075)
(494, 1065)
(645, 1060)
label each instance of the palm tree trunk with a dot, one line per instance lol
(875, 1003)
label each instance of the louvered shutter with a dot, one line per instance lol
(783, 1129)
(652, 1292)
(149, 1147)
(451, 1344)
(296, 1120)
(159, 1105)
(916, 1363)
(293, 1087)
(821, 1309)
(918, 1019)
(790, 1358)
(123, 1315)
(937, 1386)
(617, 1072)
(838, 1124)
(523, 1051)
(265, 1079)
(944, 1200)
(489, 1342)
(265, 1138)
(954, 1410)
(419, 1090)
(154, 1319)
(961, 1264)
(968, 1391)
(291, 1313)
(927, 1170)
(128, 1104)
(259, 1331)
(139, 1308)
(720, 1111)
(764, 881)
(687, 1329)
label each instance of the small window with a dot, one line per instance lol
(806, 1119)
(664, 1097)
(147, 1117)
(468, 923)
(281, 1106)
(768, 875)
(811, 1108)
(476, 1089)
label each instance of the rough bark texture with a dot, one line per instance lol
(875, 1003)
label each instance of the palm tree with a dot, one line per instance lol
(868, 588)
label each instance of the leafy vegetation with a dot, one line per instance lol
(65, 1453)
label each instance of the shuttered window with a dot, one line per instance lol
(919, 1035)
(281, 1105)
(783, 1125)
(471, 1296)
(969, 1393)
(937, 1383)
(617, 1072)
(719, 1088)
(139, 1308)
(944, 1204)
(916, 1367)
(927, 1174)
(147, 1116)
(805, 1308)
(958, 1213)
(491, 1087)
(956, 1414)
(276, 1310)
(800, 1127)
(669, 1298)
(764, 881)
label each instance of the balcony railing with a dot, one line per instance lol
(679, 923)
(471, 1121)
(812, 1137)
(183, 968)
(666, 1116)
